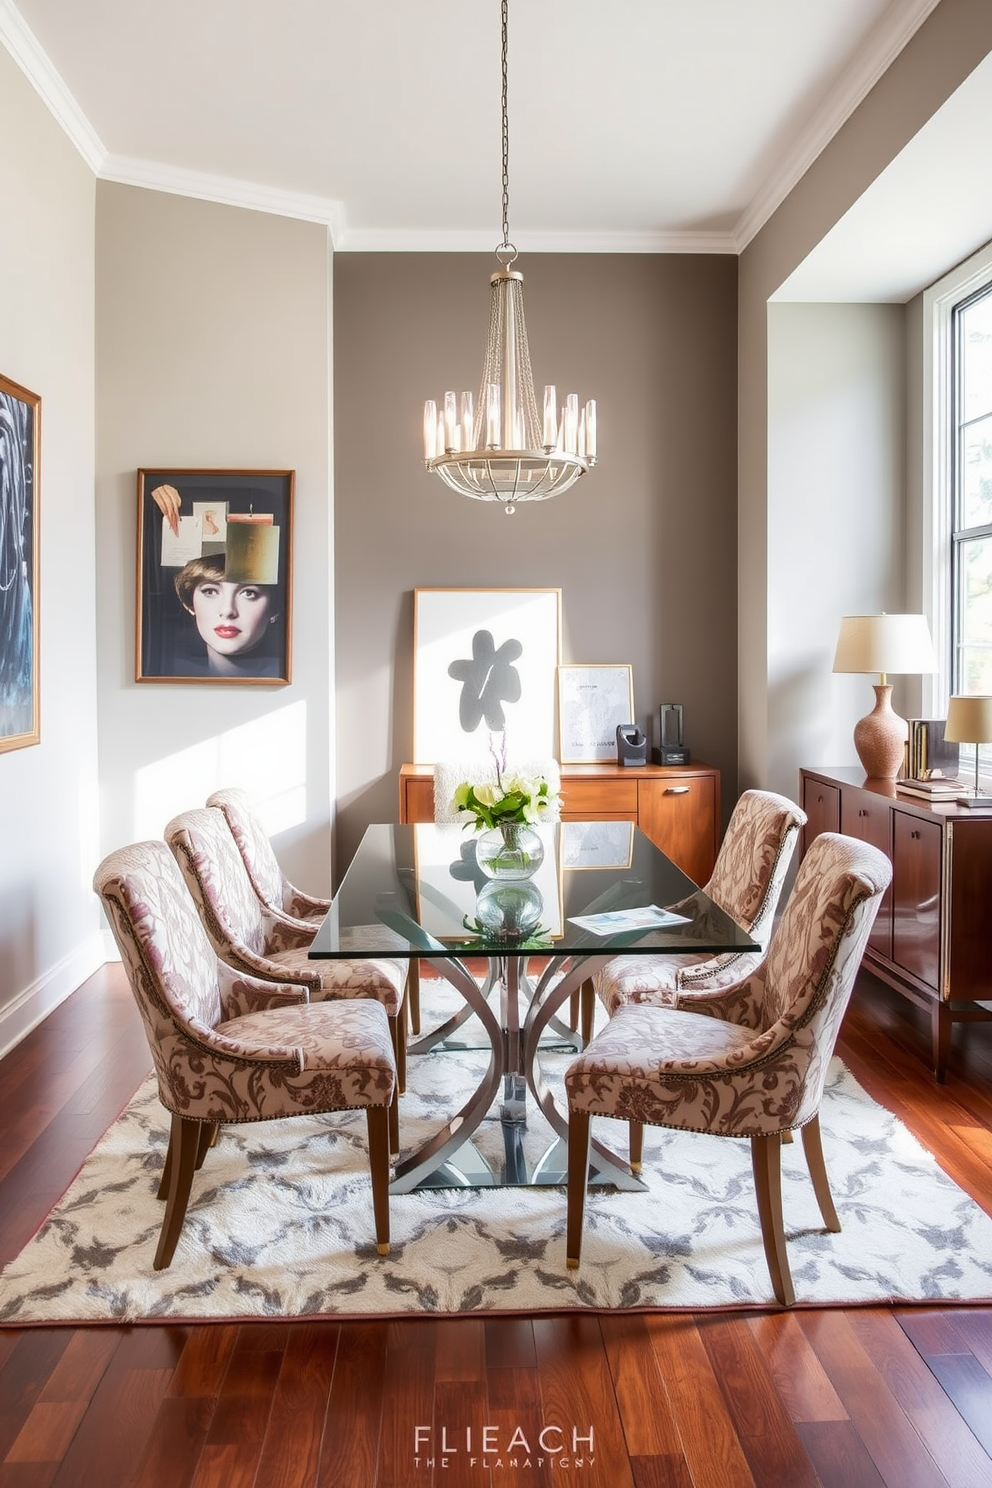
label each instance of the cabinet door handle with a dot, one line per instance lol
(915, 834)
(676, 790)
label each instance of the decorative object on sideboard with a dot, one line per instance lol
(929, 752)
(671, 748)
(883, 644)
(969, 721)
(20, 528)
(632, 745)
(501, 449)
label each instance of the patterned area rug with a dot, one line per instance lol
(280, 1223)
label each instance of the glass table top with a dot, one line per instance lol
(603, 888)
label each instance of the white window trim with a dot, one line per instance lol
(938, 306)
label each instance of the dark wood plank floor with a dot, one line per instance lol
(844, 1398)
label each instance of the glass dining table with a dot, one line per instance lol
(415, 892)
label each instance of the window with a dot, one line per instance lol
(957, 486)
(971, 494)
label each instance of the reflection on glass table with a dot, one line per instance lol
(417, 892)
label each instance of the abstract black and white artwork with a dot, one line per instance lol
(485, 663)
(20, 417)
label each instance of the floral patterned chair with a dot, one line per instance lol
(274, 889)
(746, 882)
(267, 878)
(750, 1061)
(228, 1047)
(265, 943)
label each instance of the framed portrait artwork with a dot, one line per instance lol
(484, 674)
(215, 576)
(592, 701)
(20, 688)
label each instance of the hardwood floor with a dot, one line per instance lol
(844, 1398)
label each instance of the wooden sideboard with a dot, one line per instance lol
(932, 939)
(677, 806)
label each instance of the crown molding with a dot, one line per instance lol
(22, 45)
(227, 191)
(894, 29)
(385, 240)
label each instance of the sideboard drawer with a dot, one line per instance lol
(585, 799)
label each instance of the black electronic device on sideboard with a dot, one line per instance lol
(671, 748)
(632, 745)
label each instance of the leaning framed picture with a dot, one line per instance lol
(20, 687)
(215, 576)
(592, 701)
(484, 674)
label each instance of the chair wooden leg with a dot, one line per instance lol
(813, 1148)
(573, 1011)
(588, 1004)
(378, 1124)
(413, 995)
(208, 1139)
(184, 1145)
(636, 1145)
(578, 1176)
(393, 1122)
(766, 1160)
(397, 1031)
(163, 1183)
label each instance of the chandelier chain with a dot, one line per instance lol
(506, 133)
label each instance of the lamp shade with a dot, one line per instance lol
(884, 643)
(969, 720)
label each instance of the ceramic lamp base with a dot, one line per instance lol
(880, 738)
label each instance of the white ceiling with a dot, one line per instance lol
(635, 125)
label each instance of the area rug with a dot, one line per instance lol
(280, 1223)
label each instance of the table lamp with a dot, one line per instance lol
(969, 721)
(883, 644)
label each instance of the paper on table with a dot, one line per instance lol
(613, 921)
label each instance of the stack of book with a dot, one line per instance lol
(937, 788)
(927, 750)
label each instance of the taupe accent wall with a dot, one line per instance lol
(643, 548)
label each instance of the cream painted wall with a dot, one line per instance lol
(213, 353)
(49, 921)
(942, 53)
(836, 418)
(642, 547)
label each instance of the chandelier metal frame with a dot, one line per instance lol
(498, 448)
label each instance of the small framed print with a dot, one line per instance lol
(215, 572)
(592, 701)
(20, 687)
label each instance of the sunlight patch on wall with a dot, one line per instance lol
(266, 758)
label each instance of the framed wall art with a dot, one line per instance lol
(592, 701)
(20, 687)
(484, 674)
(215, 570)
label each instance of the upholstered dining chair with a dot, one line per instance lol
(228, 1047)
(749, 1062)
(747, 881)
(264, 943)
(261, 864)
(274, 889)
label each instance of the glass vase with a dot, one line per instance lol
(513, 850)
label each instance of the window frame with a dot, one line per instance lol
(940, 460)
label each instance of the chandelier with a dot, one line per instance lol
(499, 448)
